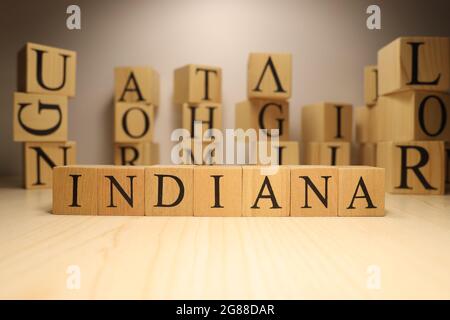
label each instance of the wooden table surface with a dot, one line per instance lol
(407, 253)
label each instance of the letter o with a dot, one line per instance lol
(422, 116)
(125, 123)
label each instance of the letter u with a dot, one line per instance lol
(40, 70)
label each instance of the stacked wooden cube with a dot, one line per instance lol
(366, 136)
(198, 92)
(46, 79)
(413, 116)
(326, 132)
(136, 97)
(269, 87)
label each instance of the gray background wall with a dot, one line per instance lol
(328, 39)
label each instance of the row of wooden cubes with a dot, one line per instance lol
(269, 76)
(219, 190)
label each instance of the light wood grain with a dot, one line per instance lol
(326, 122)
(263, 114)
(195, 83)
(39, 117)
(269, 76)
(367, 154)
(218, 191)
(395, 65)
(41, 157)
(414, 115)
(56, 77)
(75, 190)
(361, 191)
(366, 123)
(111, 181)
(265, 191)
(283, 152)
(209, 113)
(447, 164)
(428, 159)
(136, 84)
(133, 122)
(136, 153)
(195, 151)
(328, 153)
(370, 85)
(305, 202)
(228, 258)
(176, 184)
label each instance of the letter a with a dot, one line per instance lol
(269, 64)
(365, 195)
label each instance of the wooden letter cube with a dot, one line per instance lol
(169, 190)
(366, 124)
(133, 122)
(136, 84)
(75, 190)
(326, 121)
(196, 151)
(415, 115)
(210, 114)
(370, 85)
(314, 191)
(269, 76)
(197, 83)
(42, 157)
(47, 70)
(218, 191)
(121, 191)
(265, 191)
(328, 153)
(283, 153)
(136, 154)
(361, 191)
(40, 117)
(287, 152)
(414, 167)
(264, 114)
(414, 63)
(368, 154)
(447, 164)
